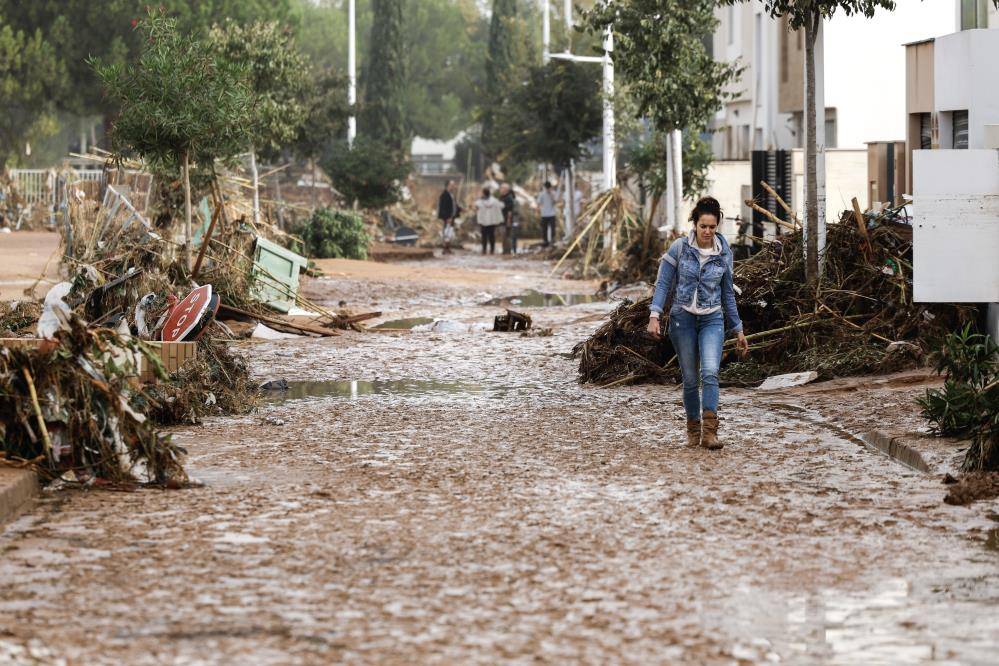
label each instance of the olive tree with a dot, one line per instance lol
(180, 104)
(278, 80)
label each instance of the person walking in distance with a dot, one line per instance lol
(447, 210)
(489, 215)
(547, 203)
(509, 200)
(697, 271)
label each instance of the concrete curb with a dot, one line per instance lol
(17, 488)
(896, 449)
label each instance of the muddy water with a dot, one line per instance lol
(537, 299)
(512, 516)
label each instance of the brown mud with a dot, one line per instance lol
(459, 498)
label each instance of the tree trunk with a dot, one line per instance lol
(187, 212)
(811, 148)
(256, 184)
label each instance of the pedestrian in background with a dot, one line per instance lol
(547, 202)
(510, 221)
(447, 210)
(697, 272)
(489, 215)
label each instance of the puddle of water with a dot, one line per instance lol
(407, 323)
(537, 299)
(355, 388)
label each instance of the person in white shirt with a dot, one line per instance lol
(546, 201)
(489, 215)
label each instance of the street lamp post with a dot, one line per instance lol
(609, 158)
(351, 71)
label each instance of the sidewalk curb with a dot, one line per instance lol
(896, 449)
(17, 488)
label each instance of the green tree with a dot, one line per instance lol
(180, 103)
(660, 53)
(384, 114)
(554, 114)
(368, 172)
(446, 55)
(645, 159)
(81, 29)
(809, 14)
(326, 113)
(278, 80)
(445, 46)
(508, 59)
(30, 72)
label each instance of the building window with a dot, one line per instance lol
(925, 131)
(830, 127)
(974, 14)
(784, 73)
(959, 130)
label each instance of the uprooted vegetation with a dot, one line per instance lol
(967, 405)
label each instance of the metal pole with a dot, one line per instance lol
(676, 140)
(351, 71)
(610, 163)
(546, 31)
(567, 10)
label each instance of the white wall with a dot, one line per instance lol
(846, 177)
(966, 66)
(726, 180)
(955, 256)
(865, 67)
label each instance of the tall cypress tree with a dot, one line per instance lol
(501, 62)
(383, 117)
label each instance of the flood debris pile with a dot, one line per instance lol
(622, 351)
(73, 405)
(967, 405)
(859, 319)
(610, 239)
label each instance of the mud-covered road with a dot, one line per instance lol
(456, 497)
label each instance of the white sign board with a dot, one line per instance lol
(955, 235)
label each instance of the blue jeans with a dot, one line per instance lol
(698, 340)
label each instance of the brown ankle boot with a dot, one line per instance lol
(693, 432)
(709, 431)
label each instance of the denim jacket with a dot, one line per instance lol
(713, 281)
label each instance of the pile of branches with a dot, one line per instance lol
(73, 406)
(858, 319)
(216, 383)
(607, 224)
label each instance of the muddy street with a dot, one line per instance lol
(454, 496)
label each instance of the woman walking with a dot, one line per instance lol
(697, 271)
(489, 215)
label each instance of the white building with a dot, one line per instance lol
(864, 73)
(953, 120)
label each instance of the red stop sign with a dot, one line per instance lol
(186, 314)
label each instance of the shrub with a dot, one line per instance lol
(332, 233)
(968, 403)
(368, 172)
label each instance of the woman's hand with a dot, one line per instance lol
(742, 345)
(654, 327)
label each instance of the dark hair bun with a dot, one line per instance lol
(706, 206)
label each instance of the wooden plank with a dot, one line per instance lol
(267, 319)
